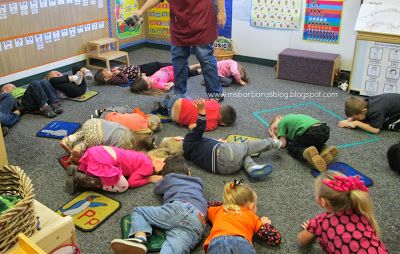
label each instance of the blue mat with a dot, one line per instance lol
(346, 170)
(58, 129)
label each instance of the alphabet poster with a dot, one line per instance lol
(123, 10)
(278, 14)
(322, 20)
(159, 19)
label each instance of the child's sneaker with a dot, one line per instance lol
(98, 112)
(87, 74)
(47, 111)
(312, 156)
(161, 112)
(259, 170)
(329, 153)
(57, 108)
(394, 126)
(79, 78)
(129, 245)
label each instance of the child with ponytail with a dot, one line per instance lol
(349, 225)
(235, 222)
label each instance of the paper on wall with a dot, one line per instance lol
(95, 26)
(92, 2)
(72, 32)
(13, 8)
(28, 40)
(24, 8)
(77, 2)
(79, 29)
(100, 4)
(64, 32)
(56, 35)
(43, 3)
(61, 2)
(52, 3)
(101, 24)
(7, 45)
(19, 42)
(34, 6)
(88, 27)
(47, 37)
(69, 1)
(3, 11)
(85, 2)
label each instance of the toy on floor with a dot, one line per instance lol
(58, 129)
(154, 242)
(84, 97)
(346, 170)
(89, 210)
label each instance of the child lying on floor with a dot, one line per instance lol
(220, 157)
(135, 119)
(97, 132)
(117, 169)
(305, 139)
(182, 111)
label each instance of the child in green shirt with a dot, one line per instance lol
(305, 138)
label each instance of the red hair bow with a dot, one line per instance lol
(345, 183)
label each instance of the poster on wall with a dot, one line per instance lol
(322, 20)
(226, 31)
(159, 19)
(278, 14)
(123, 10)
(381, 69)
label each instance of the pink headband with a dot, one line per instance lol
(345, 184)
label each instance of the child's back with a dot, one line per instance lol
(381, 108)
(294, 125)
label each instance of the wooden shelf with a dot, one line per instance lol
(105, 49)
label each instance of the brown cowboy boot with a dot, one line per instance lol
(329, 153)
(79, 181)
(311, 155)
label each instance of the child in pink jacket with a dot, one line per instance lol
(161, 81)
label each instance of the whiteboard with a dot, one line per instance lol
(379, 17)
(376, 68)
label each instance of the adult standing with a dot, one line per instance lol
(193, 26)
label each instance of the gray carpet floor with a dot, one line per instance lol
(286, 197)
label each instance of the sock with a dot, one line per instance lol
(72, 138)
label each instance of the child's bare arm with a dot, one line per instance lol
(192, 126)
(305, 237)
(200, 104)
(241, 82)
(364, 126)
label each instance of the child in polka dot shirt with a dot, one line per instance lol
(349, 225)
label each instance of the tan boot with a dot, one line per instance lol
(79, 181)
(329, 153)
(311, 155)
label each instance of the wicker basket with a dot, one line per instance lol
(223, 49)
(20, 218)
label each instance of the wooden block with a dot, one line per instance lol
(26, 246)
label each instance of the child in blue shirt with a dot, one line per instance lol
(183, 215)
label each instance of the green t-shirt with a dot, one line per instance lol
(294, 125)
(18, 92)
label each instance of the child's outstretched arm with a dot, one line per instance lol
(282, 139)
(198, 129)
(361, 125)
(268, 233)
(305, 237)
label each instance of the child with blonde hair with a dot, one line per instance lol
(118, 169)
(349, 225)
(235, 222)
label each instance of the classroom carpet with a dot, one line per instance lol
(286, 196)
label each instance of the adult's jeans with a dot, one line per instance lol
(7, 104)
(205, 55)
(180, 220)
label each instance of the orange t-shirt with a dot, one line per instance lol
(244, 224)
(133, 121)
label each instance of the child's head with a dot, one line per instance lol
(243, 73)
(144, 140)
(158, 156)
(53, 74)
(154, 123)
(227, 115)
(337, 193)
(175, 164)
(7, 88)
(173, 144)
(237, 194)
(273, 125)
(102, 76)
(142, 85)
(393, 155)
(356, 108)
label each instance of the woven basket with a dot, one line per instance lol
(223, 49)
(20, 218)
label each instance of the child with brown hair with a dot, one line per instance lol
(118, 169)
(305, 138)
(373, 113)
(349, 225)
(182, 215)
(235, 221)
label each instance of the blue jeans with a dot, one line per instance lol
(230, 245)
(38, 94)
(204, 54)
(180, 221)
(7, 104)
(169, 102)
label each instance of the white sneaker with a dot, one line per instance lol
(79, 78)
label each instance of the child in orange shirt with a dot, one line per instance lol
(235, 222)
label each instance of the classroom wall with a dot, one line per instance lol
(267, 43)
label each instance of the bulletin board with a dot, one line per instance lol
(39, 32)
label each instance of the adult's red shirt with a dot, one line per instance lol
(192, 22)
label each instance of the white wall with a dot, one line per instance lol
(267, 43)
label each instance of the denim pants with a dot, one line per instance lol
(231, 157)
(180, 221)
(7, 104)
(38, 94)
(205, 55)
(230, 245)
(315, 136)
